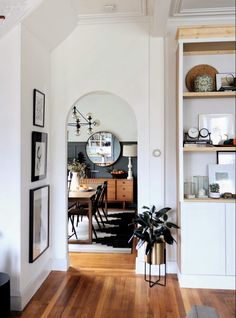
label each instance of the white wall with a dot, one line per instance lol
(114, 114)
(35, 73)
(10, 158)
(124, 60)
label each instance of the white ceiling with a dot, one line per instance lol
(50, 17)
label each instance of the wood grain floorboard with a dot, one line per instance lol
(106, 286)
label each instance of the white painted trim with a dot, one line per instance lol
(171, 267)
(60, 264)
(18, 302)
(92, 19)
(206, 281)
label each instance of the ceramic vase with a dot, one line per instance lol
(74, 186)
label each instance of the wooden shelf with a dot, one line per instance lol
(212, 48)
(211, 200)
(208, 149)
(209, 94)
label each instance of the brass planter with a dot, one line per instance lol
(157, 255)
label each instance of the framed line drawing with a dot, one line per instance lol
(224, 175)
(39, 222)
(39, 156)
(39, 108)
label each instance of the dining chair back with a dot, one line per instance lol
(102, 198)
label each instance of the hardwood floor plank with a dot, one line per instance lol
(106, 286)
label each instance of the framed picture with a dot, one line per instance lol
(225, 81)
(221, 126)
(39, 156)
(39, 108)
(226, 157)
(39, 222)
(224, 175)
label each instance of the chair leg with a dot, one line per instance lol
(94, 232)
(104, 213)
(97, 221)
(73, 227)
(99, 214)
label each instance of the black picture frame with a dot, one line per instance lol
(39, 108)
(39, 222)
(39, 156)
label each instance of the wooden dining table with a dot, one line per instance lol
(84, 197)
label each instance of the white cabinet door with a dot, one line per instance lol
(230, 238)
(203, 238)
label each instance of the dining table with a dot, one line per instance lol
(84, 197)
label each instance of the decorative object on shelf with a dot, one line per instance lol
(203, 83)
(197, 137)
(221, 126)
(189, 190)
(88, 121)
(224, 175)
(39, 156)
(200, 70)
(153, 229)
(214, 190)
(130, 151)
(77, 171)
(118, 174)
(201, 186)
(228, 195)
(103, 148)
(39, 222)
(226, 157)
(226, 82)
(39, 108)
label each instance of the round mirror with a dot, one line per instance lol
(103, 148)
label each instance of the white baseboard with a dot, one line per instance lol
(60, 264)
(18, 302)
(207, 281)
(171, 267)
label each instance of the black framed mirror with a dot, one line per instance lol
(103, 148)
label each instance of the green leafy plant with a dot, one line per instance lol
(78, 167)
(153, 227)
(214, 187)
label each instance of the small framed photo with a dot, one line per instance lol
(225, 81)
(39, 156)
(226, 157)
(39, 222)
(224, 175)
(39, 108)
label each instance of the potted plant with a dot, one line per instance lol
(78, 171)
(214, 190)
(154, 230)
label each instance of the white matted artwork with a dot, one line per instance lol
(221, 126)
(224, 175)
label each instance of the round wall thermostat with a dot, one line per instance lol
(156, 152)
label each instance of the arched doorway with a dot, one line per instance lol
(116, 117)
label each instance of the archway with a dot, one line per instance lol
(115, 116)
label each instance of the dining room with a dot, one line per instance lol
(102, 174)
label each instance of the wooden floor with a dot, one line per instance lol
(105, 286)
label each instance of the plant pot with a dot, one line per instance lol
(214, 195)
(157, 255)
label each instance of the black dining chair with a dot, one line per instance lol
(101, 201)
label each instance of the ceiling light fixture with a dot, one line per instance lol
(88, 121)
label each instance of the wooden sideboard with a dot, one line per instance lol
(118, 190)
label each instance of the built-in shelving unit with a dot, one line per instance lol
(206, 249)
(209, 94)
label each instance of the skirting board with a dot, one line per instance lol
(171, 267)
(18, 302)
(206, 281)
